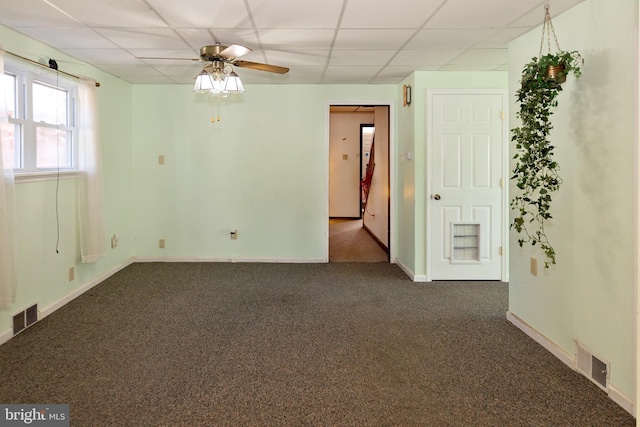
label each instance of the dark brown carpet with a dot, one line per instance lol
(344, 344)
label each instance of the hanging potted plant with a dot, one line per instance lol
(536, 172)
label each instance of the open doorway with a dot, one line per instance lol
(359, 159)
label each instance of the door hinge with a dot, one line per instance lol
(500, 250)
(502, 115)
(501, 182)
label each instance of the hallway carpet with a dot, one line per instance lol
(337, 344)
(350, 242)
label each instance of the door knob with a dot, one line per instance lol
(436, 197)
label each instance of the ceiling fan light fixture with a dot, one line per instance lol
(218, 87)
(233, 84)
(204, 83)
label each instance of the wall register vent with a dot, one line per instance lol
(592, 367)
(25, 318)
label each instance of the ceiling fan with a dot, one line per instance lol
(219, 56)
(217, 76)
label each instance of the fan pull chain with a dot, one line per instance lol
(547, 27)
(215, 102)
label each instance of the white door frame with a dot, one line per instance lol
(505, 173)
(392, 171)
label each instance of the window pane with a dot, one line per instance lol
(49, 104)
(53, 148)
(9, 82)
(11, 136)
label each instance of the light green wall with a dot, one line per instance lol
(589, 294)
(262, 169)
(423, 81)
(43, 274)
(405, 181)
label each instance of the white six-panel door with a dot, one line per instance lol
(465, 193)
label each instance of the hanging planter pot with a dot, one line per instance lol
(556, 73)
(536, 173)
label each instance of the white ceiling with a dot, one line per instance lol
(321, 41)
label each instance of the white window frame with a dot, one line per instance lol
(25, 78)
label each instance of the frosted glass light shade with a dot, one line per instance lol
(233, 84)
(204, 83)
(218, 86)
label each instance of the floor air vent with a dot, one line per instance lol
(592, 367)
(25, 318)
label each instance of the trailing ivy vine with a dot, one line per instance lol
(536, 171)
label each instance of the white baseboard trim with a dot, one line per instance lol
(406, 269)
(230, 260)
(73, 295)
(552, 347)
(621, 399)
(44, 312)
(6, 336)
(568, 359)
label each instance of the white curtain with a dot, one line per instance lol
(8, 275)
(90, 192)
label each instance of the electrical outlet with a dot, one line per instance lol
(534, 266)
(161, 159)
(72, 274)
(161, 244)
(114, 241)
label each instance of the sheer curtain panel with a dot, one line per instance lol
(8, 275)
(90, 191)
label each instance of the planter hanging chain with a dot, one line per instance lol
(547, 27)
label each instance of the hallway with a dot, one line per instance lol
(349, 242)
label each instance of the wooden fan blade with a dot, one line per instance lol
(262, 67)
(234, 51)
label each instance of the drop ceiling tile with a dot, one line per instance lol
(425, 57)
(295, 39)
(293, 58)
(448, 38)
(184, 71)
(110, 13)
(241, 36)
(501, 39)
(301, 74)
(33, 13)
(143, 38)
(388, 14)
(295, 13)
(64, 37)
(198, 37)
(130, 70)
(460, 67)
(203, 13)
(360, 57)
(146, 80)
(361, 38)
(350, 74)
(102, 56)
(395, 71)
(166, 56)
(535, 16)
(482, 58)
(478, 14)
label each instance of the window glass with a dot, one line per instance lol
(10, 133)
(53, 148)
(49, 104)
(9, 85)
